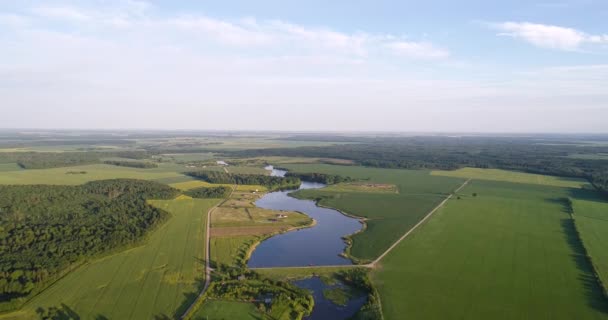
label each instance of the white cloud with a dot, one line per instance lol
(549, 36)
(418, 50)
(61, 13)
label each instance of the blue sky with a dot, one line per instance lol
(474, 66)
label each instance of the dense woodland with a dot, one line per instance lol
(552, 157)
(46, 229)
(270, 182)
(319, 177)
(132, 164)
(210, 193)
(42, 160)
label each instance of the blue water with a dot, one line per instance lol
(316, 246)
(325, 309)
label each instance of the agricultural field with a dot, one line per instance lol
(512, 176)
(4, 167)
(228, 310)
(510, 252)
(157, 279)
(231, 250)
(85, 173)
(590, 212)
(388, 214)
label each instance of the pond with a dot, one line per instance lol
(326, 309)
(319, 245)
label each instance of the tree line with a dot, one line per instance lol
(551, 157)
(270, 182)
(319, 177)
(45, 230)
(132, 164)
(209, 192)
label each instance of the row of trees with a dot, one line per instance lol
(132, 164)
(42, 160)
(46, 229)
(270, 182)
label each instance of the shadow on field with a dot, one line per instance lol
(593, 288)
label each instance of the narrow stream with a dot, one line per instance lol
(316, 246)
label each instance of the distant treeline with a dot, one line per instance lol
(211, 192)
(42, 160)
(132, 164)
(319, 177)
(44, 229)
(522, 154)
(270, 182)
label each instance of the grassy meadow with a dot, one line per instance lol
(157, 279)
(389, 214)
(228, 310)
(511, 252)
(231, 250)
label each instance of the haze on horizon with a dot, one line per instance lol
(400, 66)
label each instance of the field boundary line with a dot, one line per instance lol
(207, 255)
(428, 215)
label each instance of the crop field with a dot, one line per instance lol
(193, 184)
(389, 215)
(363, 187)
(9, 167)
(591, 218)
(230, 250)
(511, 252)
(511, 176)
(158, 279)
(82, 174)
(225, 310)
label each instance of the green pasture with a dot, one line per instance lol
(511, 252)
(158, 279)
(9, 167)
(231, 250)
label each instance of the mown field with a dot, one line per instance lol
(511, 252)
(389, 214)
(156, 280)
(231, 250)
(511, 176)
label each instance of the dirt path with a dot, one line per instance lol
(428, 215)
(191, 308)
(373, 263)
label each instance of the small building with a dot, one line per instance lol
(281, 216)
(221, 163)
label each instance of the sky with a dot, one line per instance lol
(383, 65)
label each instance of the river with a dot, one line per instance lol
(319, 245)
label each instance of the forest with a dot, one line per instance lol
(319, 177)
(209, 193)
(68, 224)
(43, 160)
(520, 154)
(272, 183)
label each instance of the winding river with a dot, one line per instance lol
(319, 245)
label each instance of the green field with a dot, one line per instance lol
(389, 214)
(509, 253)
(231, 250)
(228, 310)
(9, 167)
(158, 279)
(93, 172)
(511, 176)
(591, 218)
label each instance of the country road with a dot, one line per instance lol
(369, 265)
(207, 256)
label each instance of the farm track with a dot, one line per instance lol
(375, 262)
(207, 256)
